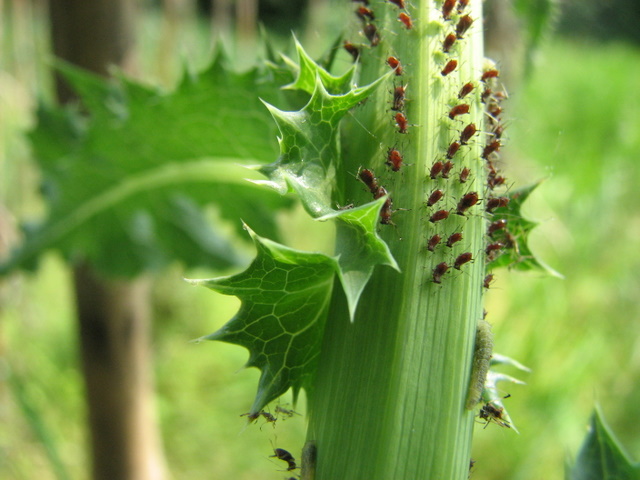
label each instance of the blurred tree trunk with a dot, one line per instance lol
(114, 316)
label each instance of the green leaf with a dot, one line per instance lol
(284, 295)
(515, 238)
(601, 456)
(126, 182)
(538, 18)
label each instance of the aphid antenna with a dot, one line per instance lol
(372, 135)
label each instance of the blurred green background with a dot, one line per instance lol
(574, 122)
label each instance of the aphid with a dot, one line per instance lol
(398, 98)
(439, 271)
(492, 248)
(401, 121)
(495, 111)
(433, 242)
(439, 215)
(365, 13)
(371, 32)
(406, 19)
(285, 456)
(449, 67)
(493, 413)
(436, 168)
(394, 63)
(434, 198)
(453, 239)
(394, 159)
(447, 8)
(466, 202)
(446, 169)
(462, 259)
(490, 148)
(464, 175)
(496, 202)
(481, 362)
(468, 132)
(385, 212)
(466, 89)
(487, 74)
(367, 177)
(495, 226)
(463, 25)
(379, 193)
(254, 416)
(285, 411)
(453, 149)
(458, 110)
(487, 280)
(448, 42)
(495, 181)
(398, 3)
(462, 4)
(352, 49)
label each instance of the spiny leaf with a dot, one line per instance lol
(284, 297)
(601, 456)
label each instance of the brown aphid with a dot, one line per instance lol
(487, 280)
(398, 98)
(394, 63)
(398, 3)
(453, 149)
(285, 456)
(463, 25)
(447, 8)
(433, 242)
(371, 32)
(394, 159)
(464, 175)
(252, 417)
(439, 215)
(462, 4)
(496, 202)
(448, 42)
(385, 212)
(434, 198)
(492, 248)
(492, 413)
(466, 89)
(365, 14)
(406, 20)
(498, 130)
(495, 111)
(495, 181)
(462, 259)
(401, 122)
(453, 239)
(367, 177)
(490, 148)
(468, 132)
(285, 411)
(436, 168)
(449, 67)
(461, 109)
(439, 271)
(466, 202)
(487, 74)
(496, 226)
(352, 49)
(446, 169)
(379, 193)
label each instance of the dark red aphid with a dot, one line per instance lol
(446, 169)
(463, 25)
(487, 280)
(453, 239)
(453, 149)
(386, 212)
(394, 159)
(462, 259)
(398, 98)
(462, 4)
(282, 454)
(439, 271)
(433, 242)
(496, 226)
(398, 3)
(401, 121)
(468, 132)
(367, 177)
(447, 8)
(494, 181)
(464, 175)
(352, 49)
(495, 111)
(449, 67)
(448, 42)
(493, 247)
(493, 413)
(466, 202)
(436, 168)
(406, 20)
(439, 215)
(379, 193)
(490, 148)
(487, 74)
(496, 202)
(394, 63)
(466, 89)
(365, 14)
(435, 196)
(371, 32)
(458, 110)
